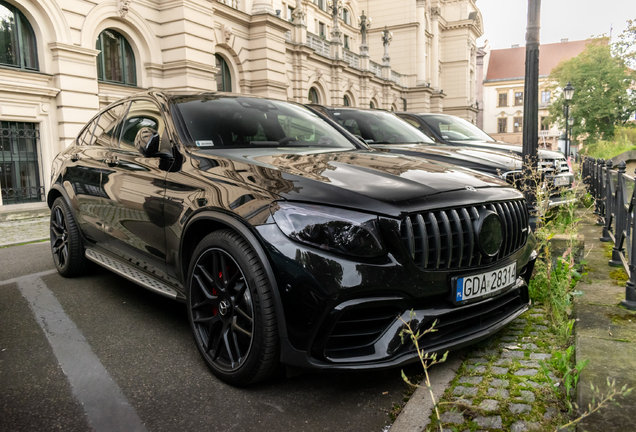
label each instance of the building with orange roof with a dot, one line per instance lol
(501, 99)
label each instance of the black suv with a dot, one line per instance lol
(452, 130)
(384, 131)
(288, 240)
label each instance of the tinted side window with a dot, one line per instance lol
(142, 114)
(351, 125)
(106, 126)
(412, 122)
(85, 136)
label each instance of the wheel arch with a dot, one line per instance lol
(57, 190)
(54, 193)
(206, 222)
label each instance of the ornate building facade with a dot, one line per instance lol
(61, 61)
(501, 106)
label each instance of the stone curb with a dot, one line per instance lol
(33, 240)
(414, 417)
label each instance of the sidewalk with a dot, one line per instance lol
(24, 224)
(605, 334)
(24, 231)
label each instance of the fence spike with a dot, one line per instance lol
(622, 166)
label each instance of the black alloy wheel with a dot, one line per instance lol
(66, 243)
(231, 310)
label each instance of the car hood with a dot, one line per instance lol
(487, 160)
(352, 178)
(507, 148)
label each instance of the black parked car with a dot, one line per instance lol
(384, 131)
(288, 240)
(452, 130)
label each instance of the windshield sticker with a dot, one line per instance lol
(205, 143)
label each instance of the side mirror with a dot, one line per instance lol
(147, 141)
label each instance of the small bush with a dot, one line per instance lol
(624, 140)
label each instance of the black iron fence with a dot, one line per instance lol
(20, 176)
(614, 201)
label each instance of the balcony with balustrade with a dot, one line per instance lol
(322, 48)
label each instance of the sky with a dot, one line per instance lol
(505, 20)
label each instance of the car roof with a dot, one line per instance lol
(311, 105)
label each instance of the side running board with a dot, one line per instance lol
(131, 273)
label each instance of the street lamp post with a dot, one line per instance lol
(568, 93)
(531, 107)
(387, 37)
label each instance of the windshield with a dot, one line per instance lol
(221, 121)
(377, 127)
(455, 129)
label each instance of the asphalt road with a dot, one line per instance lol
(100, 353)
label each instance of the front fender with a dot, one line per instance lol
(236, 225)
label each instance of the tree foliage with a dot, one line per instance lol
(603, 98)
(625, 45)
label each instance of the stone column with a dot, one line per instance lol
(76, 76)
(262, 6)
(421, 42)
(300, 29)
(435, 12)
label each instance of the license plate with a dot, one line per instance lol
(562, 181)
(485, 284)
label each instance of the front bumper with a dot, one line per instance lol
(342, 314)
(559, 185)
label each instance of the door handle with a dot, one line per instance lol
(112, 162)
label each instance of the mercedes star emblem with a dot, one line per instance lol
(224, 306)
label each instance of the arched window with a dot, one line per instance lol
(313, 96)
(346, 101)
(223, 76)
(17, 40)
(116, 60)
(346, 16)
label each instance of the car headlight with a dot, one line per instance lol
(329, 228)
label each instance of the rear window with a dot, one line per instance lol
(237, 122)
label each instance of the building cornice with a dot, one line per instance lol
(396, 27)
(271, 21)
(72, 49)
(230, 14)
(499, 80)
(26, 83)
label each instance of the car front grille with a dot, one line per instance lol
(514, 178)
(445, 239)
(556, 166)
(562, 166)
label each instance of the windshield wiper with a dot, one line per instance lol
(281, 142)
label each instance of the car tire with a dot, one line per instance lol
(231, 309)
(67, 246)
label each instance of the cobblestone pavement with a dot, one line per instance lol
(24, 230)
(502, 386)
